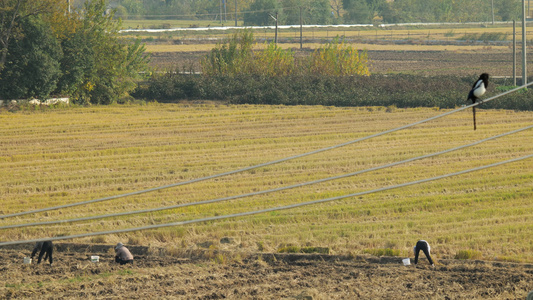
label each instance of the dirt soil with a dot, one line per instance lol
(427, 63)
(218, 275)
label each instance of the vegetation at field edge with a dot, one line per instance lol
(398, 90)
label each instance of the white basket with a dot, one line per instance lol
(95, 259)
(406, 261)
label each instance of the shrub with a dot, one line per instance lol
(383, 252)
(274, 61)
(231, 57)
(391, 91)
(296, 249)
(100, 239)
(289, 249)
(236, 57)
(323, 250)
(468, 254)
(485, 36)
(338, 58)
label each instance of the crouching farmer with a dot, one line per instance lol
(44, 248)
(424, 247)
(123, 255)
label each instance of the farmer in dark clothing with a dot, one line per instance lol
(424, 246)
(45, 248)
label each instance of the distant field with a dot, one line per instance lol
(207, 47)
(61, 156)
(498, 32)
(132, 24)
(381, 39)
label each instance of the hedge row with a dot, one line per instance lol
(376, 90)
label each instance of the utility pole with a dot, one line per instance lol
(235, 13)
(514, 52)
(220, 10)
(524, 62)
(275, 19)
(68, 6)
(276, 37)
(301, 41)
(492, 10)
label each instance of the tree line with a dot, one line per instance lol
(47, 50)
(257, 12)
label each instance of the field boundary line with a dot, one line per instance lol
(267, 191)
(267, 163)
(249, 213)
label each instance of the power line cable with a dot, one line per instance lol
(266, 191)
(267, 209)
(267, 163)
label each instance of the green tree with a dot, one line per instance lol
(260, 12)
(133, 7)
(12, 12)
(32, 67)
(508, 10)
(401, 11)
(313, 12)
(79, 55)
(357, 11)
(110, 68)
(77, 64)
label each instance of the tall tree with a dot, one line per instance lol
(260, 12)
(79, 55)
(313, 12)
(11, 13)
(32, 65)
(357, 11)
(508, 10)
(336, 6)
(108, 67)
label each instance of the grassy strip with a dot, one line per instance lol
(52, 157)
(158, 48)
(392, 90)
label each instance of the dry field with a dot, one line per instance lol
(385, 59)
(59, 156)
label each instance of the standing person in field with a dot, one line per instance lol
(123, 255)
(45, 248)
(424, 246)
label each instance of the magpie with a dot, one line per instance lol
(478, 89)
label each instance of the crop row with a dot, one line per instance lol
(155, 145)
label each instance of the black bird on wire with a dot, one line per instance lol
(478, 89)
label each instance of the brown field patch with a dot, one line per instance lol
(258, 276)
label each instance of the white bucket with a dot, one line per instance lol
(95, 259)
(27, 260)
(406, 261)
